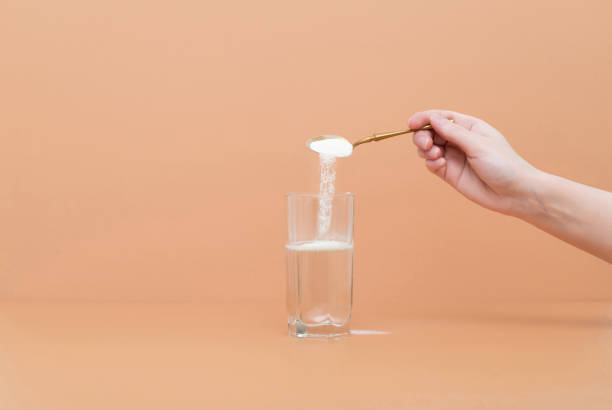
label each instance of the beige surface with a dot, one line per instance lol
(160, 356)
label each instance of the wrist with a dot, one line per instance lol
(531, 204)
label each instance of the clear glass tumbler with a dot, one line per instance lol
(319, 255)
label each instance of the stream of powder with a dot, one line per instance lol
(326, 193)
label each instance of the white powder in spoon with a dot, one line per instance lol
(332, 145)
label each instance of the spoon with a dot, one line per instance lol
(385, 135)
(341, 147)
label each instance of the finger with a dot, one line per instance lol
(421, 153)
(434, 152)
(454, 133)
(437, 166)
(423, 139)
(438, 140)
(421, 119)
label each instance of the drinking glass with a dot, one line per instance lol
(319, 254)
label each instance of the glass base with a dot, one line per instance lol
(324, 330)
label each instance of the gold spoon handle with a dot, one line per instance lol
(385, 135)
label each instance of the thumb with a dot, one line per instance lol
(454, 133)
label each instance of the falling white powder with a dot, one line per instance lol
(327, 189)
(329, 148)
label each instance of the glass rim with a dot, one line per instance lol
(316, 195)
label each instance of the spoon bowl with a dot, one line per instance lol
(332, 145)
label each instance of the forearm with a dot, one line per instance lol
(576, 213)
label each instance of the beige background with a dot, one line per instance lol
(145, 146)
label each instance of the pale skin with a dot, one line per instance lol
(476, 160)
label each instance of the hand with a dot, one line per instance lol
(474, 158)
